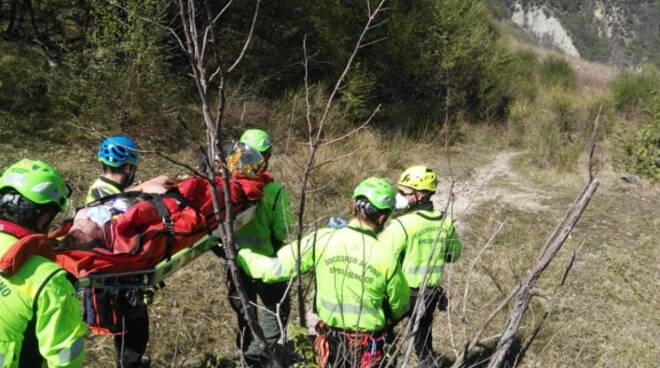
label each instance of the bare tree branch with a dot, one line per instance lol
(523, 296)
(315, 134)
(550, 309)
(362, 126)
(247, 41)
(473, 265)
(335, 159)
(214, 138)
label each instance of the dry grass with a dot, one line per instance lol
(590, 74)
(606, 312)
(604, 316)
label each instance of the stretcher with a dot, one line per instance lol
(150, 279)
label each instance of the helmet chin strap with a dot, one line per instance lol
(129, 178)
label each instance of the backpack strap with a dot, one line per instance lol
(164, 214)
(127, 195)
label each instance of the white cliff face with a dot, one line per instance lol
(545, 27)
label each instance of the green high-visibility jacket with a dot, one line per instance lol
(424, 239)
(102, 187)
(357, 283)
(270, 227)
(40, 319)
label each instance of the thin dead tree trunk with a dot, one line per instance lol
(526, 290)
(314, 142)
(195, 47)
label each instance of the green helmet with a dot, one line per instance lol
(377, 191)
(257, 139)
(37, 181)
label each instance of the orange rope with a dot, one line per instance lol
(322, 350)
(356, 341)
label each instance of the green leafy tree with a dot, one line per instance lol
(436, 47)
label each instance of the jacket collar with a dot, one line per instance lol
(360, 226)
(112, 183)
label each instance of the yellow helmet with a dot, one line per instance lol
(419, 178)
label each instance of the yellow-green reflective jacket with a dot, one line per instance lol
(356, 282)
(102, 187)
(269, 229)
(40, 319)
(424, 239)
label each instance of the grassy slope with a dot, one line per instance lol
(604, 315)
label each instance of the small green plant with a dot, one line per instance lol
(356, 93)
(631, 91)
(523, 84)
(543, 140)
(517, 121)
(303, 348)
(557, 72)
(644, 151)
(563, 109)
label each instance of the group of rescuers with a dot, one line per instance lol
(369, 274)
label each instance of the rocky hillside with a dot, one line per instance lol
(620, 32)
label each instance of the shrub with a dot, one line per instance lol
(517, 121)
(523, 71)
(644, 150)
(543, 141)
(563, 109)
(549, 147)
(23, 80)
(631, 91)
(433, 47)
(557, 72)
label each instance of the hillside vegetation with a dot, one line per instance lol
(510, 125)
(621, 32)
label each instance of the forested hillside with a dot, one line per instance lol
(624, 33)
(445, 83)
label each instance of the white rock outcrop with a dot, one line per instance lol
(545, 27)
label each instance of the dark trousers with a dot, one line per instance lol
(349, 349)
(132, 344)
(121, 312)
(424, 335)
(270, 295)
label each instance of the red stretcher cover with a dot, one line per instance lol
(139, 237)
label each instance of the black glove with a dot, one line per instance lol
(219, 251)
(443, 301)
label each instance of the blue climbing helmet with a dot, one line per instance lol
(117, 151)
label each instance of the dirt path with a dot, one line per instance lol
(494, 181)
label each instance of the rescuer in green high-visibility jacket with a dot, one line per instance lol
(425, 239)
(40, 318)
(264, 235)
(358, 285)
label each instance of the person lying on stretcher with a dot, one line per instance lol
(116, 225)
(91, 223)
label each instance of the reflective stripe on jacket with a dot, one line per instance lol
(102, 187)
(423, 239)
(271, 224)
(353, 276)
(41, 320)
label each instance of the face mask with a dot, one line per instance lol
(401, 202)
